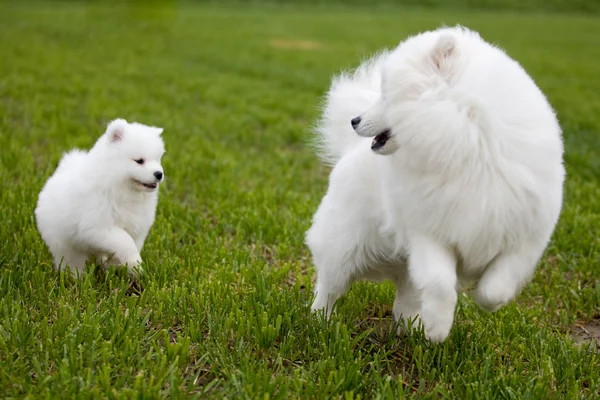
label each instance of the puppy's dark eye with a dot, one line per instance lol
(139, 161)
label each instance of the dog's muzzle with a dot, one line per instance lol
(380, 140)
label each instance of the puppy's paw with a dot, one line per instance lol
(133, 265)
(135, 272)
(133, 261)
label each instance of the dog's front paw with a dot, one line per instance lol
(133, 261)
(437, 323)
(135, 272)
(437, 330)
(133, 265)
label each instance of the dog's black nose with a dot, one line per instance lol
(355, 122)
(158, 175)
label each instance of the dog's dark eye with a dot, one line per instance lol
(139, 161)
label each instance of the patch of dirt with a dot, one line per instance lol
(291, 44)
(585, 332)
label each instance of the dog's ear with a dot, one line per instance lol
(158, 131)
(445, 51)
(116, 130)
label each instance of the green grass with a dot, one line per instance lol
(224, 307)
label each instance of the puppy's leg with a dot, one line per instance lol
(139, 243)
(432, 270)
(505, 277)
(118, 243)
(407, 305)
(141, 238)
(73, 260)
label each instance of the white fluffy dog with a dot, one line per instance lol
(460, 184)
(102, 203)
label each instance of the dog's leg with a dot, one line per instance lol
(432, 270)
(345, 232)
(139, 242)
(505, 277)
(407, 305)
(141, 238)
(116, 242)
(334, 241)
(74, 260)
(329, 288)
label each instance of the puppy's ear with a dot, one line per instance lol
(444, 53)
(158, 131)
(116, 130)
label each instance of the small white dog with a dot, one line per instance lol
(102, 203)
(460, 184)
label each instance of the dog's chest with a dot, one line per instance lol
(134, 218)
(479, 219)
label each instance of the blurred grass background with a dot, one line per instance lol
(558, 6)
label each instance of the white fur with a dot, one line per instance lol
(95, 203)
(467, 189)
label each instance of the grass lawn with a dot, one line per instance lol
(224, 306)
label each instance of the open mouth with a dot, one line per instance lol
(380, 140)
(152, 185)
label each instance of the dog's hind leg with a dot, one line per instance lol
(339, 244)
(331, 249)
(345, 230)
(505, 277)
(342, 246)
(328, 290)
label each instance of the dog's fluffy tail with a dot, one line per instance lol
(349, 96)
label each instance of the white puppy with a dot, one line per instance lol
(461, 182)
(102, 203)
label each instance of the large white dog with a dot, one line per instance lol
(448, 171)
(102, 202)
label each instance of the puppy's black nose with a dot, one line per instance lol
(158, 175)
(355, 122)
